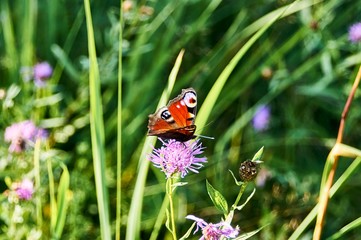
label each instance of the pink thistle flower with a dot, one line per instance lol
(25, 189)
(19, 134)
(214, 231)
(42, 71)
(261, 118)
(354, 33)
(178, 157)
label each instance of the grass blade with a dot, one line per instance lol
(213, 94)
(352, 225)
(312, 215)
(119, 132)
(62, 202)
(97, 130)
(9, 38)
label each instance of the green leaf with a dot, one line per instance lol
(186, 235)
(217, 198)
(238, 183)
(62, 201)
(167, 221)
(245, 236)
(97, 134)
(258, 155)
(352, 225)
(249, 198)
(178, 184)
(344, 150)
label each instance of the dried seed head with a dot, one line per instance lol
(248, 170)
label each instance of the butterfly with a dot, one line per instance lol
(176, 120)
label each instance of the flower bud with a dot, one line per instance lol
(248, 170)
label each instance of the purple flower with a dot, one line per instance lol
(354, 33)
(42, 71)
(19, 134)
(25, 189)
(214, 231)
(178, 157)
(261, 118)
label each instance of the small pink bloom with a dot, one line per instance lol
(18, 134)
(25, 189)
(354, 33)
(214, 231)
(42, 72)
(178, 157)
(261, 118)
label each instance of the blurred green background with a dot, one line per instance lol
(302, 68)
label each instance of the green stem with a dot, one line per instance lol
(52, 196)
(171, 207)
(118, 218)
(241, 191)
(39, 218)
(229, 216)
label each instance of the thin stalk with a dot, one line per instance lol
(335, 187)
(119, 132)
(39, 217)
(29, 28)
(230, 215)
(169, 186)
(241, 191)
(52, 197)
(326, 190)
(97, 130)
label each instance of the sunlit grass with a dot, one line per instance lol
(114, 67)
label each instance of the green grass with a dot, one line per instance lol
(112, 69)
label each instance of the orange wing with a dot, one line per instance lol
(176, 120)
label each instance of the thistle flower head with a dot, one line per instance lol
(354, 33)
(248, 170)
(214, 231)
(24, 189)
(19, 134)
(42, 72)
(39, 73)
(178, 157)
(261, 118)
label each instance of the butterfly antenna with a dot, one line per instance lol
(207, 137)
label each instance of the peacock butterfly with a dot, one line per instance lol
(176, 120)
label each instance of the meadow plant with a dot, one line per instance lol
(214, 231)
(31, 206)
(354, 33)
(178, 158)
(23, 134)
(25, 189)
(242, 57)
(40, 73)
(261, 118)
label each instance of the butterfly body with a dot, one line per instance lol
(176, 120)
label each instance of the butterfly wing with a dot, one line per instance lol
(176, 120)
